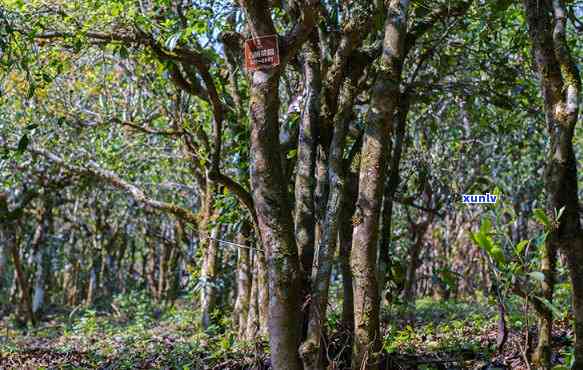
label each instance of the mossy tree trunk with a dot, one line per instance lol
(560, 87)
(384, 101)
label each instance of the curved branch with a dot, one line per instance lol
(92, 169)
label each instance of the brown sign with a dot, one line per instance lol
(261, 53)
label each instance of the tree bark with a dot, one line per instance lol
(390, 189)
(419, 231)
(252, 321)
(560, 86)
(345, 240)
(542, 352)
(371, 180)
(274, 217)
(243, 280)
(311, 349)
(305, 182)
(208, 293)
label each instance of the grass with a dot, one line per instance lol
(139, 334)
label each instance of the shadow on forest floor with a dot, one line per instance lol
(445, 335)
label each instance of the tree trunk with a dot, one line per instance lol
(560, 87)
(390, 189)
(275, 222)
(208, 293)
(252, 321)
(542, 353)
(262, 293)
(311, 350)
(384, 101)
(93, 274)
(345, 239)
(42, 256)
(306, 153)
(21, 277)
(39, 257)
(243, 280)
(414, 252)
(270, 191)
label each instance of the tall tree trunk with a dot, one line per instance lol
(42, 256)
(208, 293)
(253, 318)
(270, 191)
(560, 87)
(542, 353)
(305, 182)
(385, 97)
(21, 277)
(243, 280)
(345, 240)
(418, 230)
(263, 293)
(71, 273)
(39, 258)
(274, 215)
(311, 350)
(94, 270)
(390, 189)
(3, 254)
(209, 247)
(411, 275)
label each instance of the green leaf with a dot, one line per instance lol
(541, 217)
(554, 309)
(497, 254)
(521, 246)
(292, 153)
(537, 275)
(23, 143)
(123, 52)
(171, 42)
(485, 226)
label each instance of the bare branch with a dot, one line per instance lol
(92, 169)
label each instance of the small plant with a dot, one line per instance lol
(87, 324)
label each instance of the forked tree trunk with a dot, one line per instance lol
(560, 87)
(275, 222)
(311, 349)
(270, 192)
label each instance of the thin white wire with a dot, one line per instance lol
(231, 243)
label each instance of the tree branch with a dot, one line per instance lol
(92, 169)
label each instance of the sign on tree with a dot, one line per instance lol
(261, 53)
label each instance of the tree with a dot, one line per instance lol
(560, 87)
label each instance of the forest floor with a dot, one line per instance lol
(138, 335)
